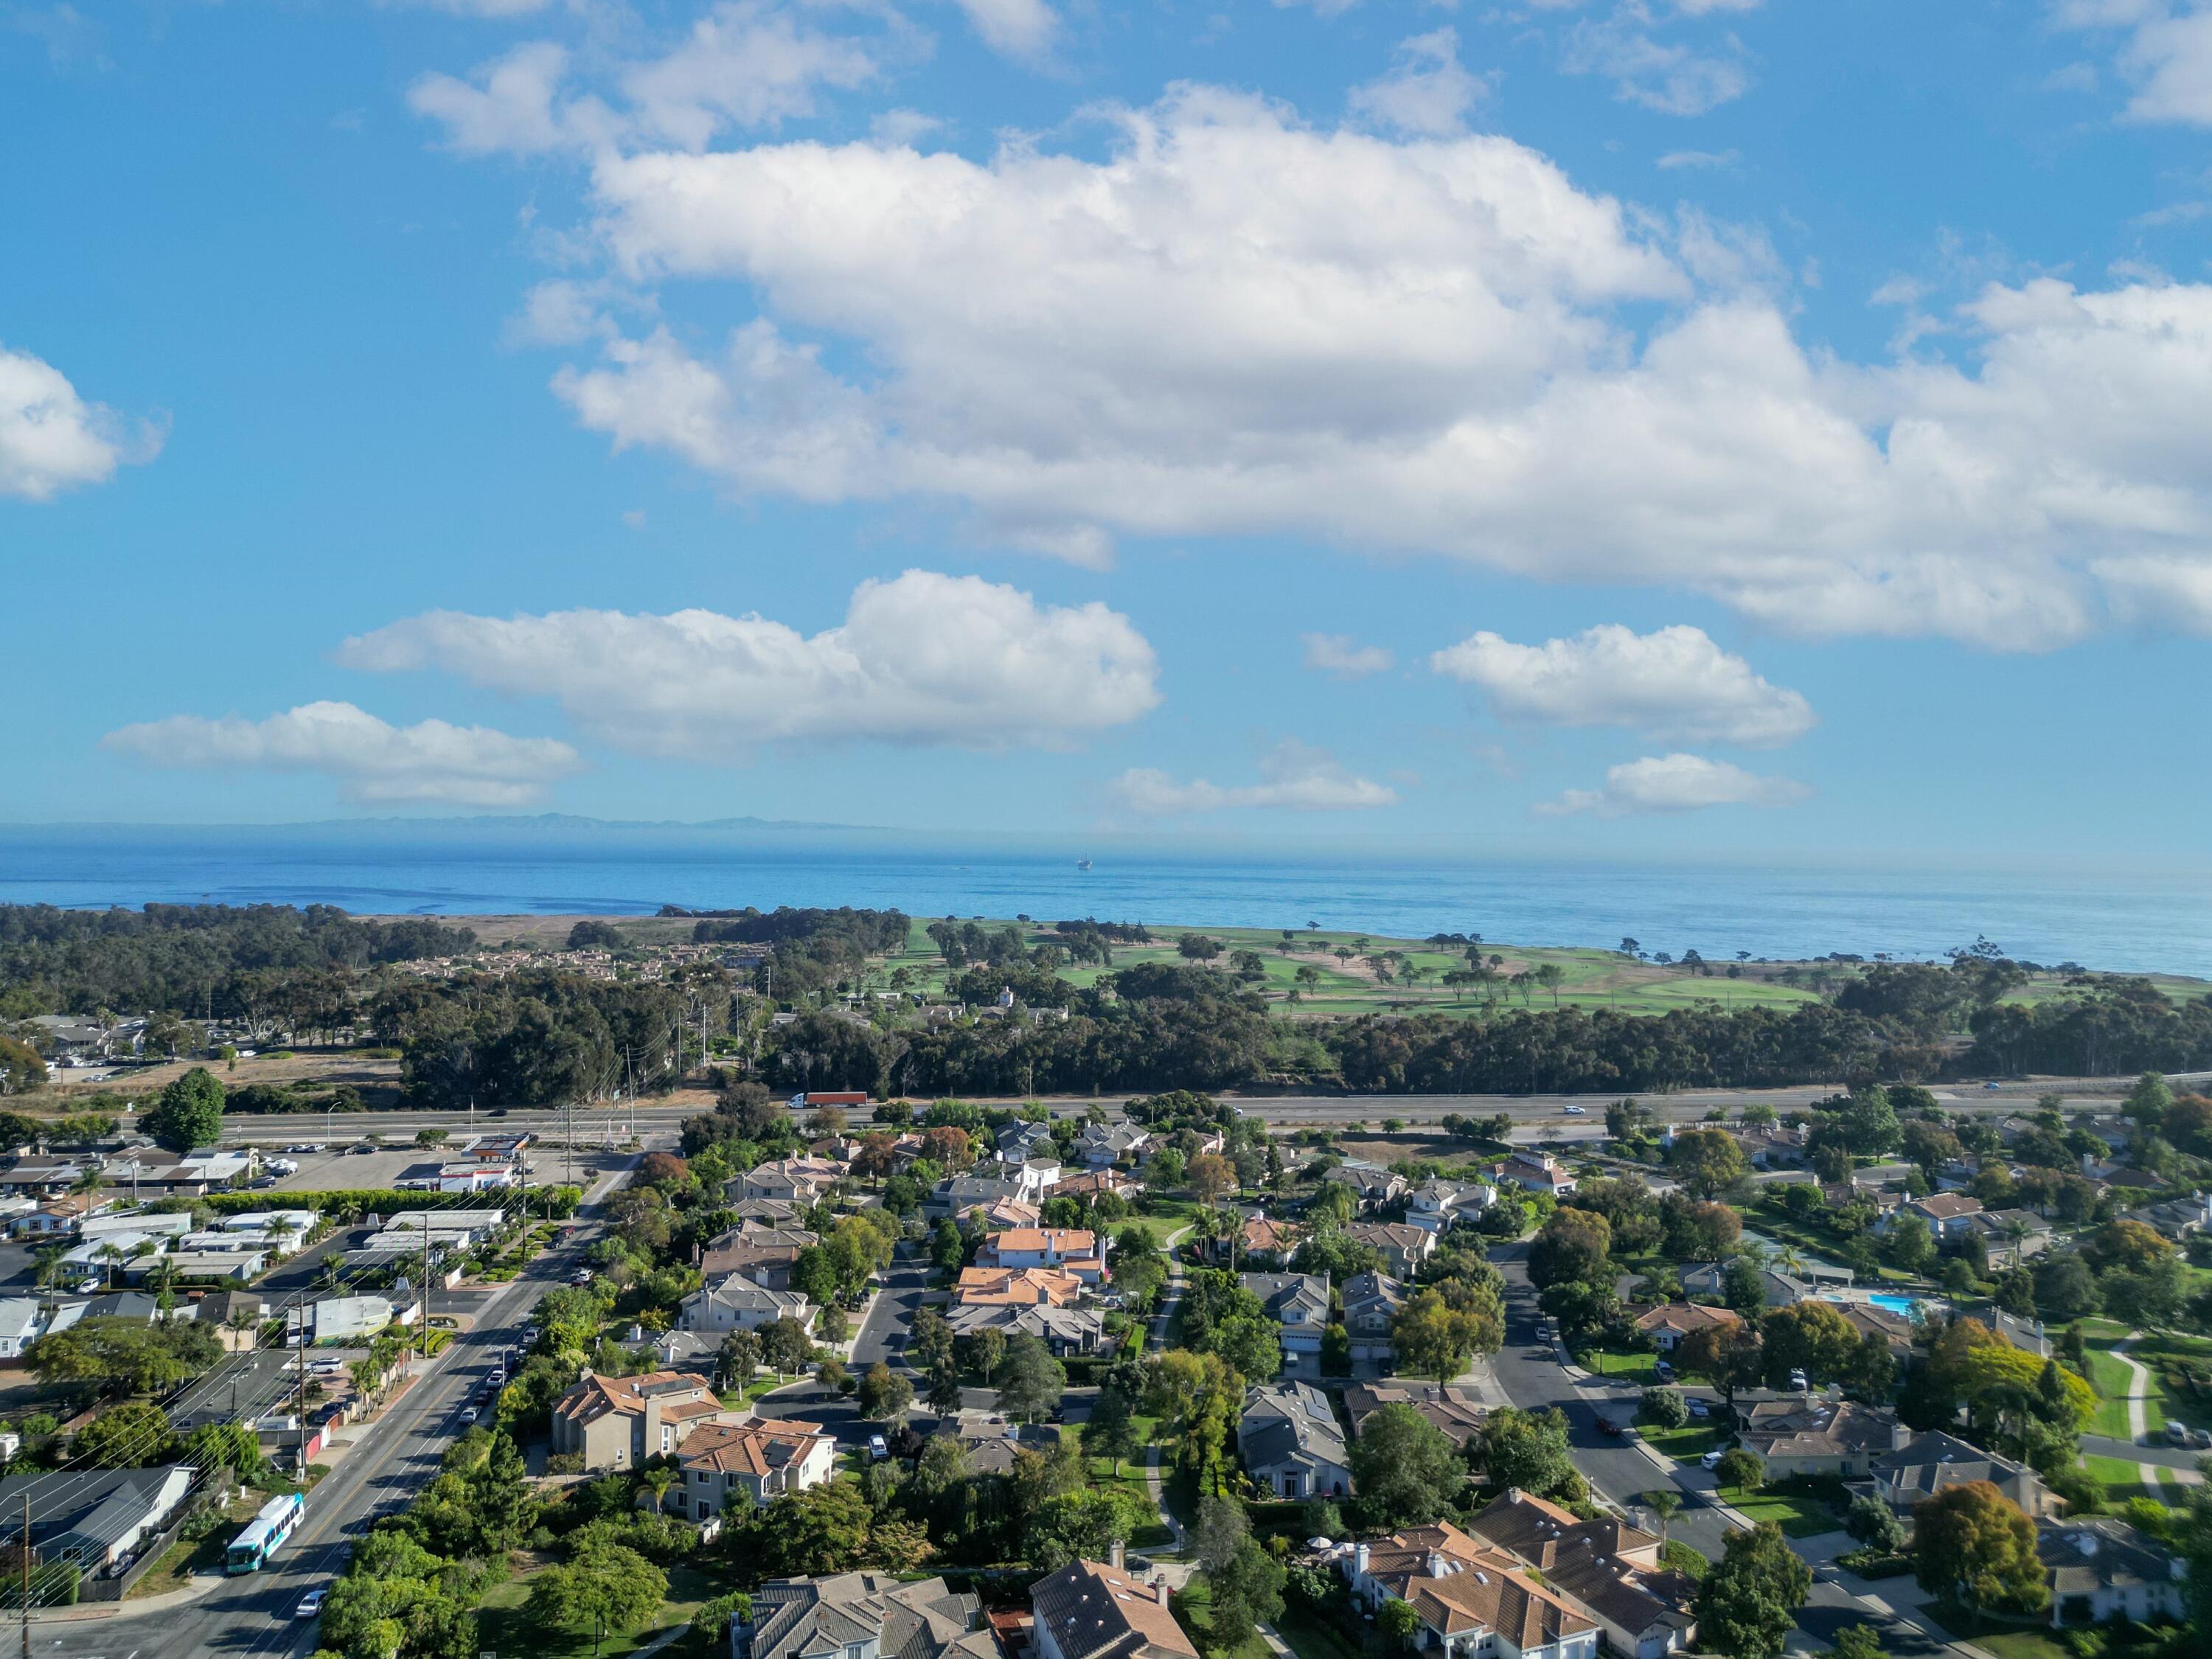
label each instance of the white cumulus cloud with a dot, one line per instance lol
(1672, 682)
(1433, 345)
(51, 439)
(922, 658)
(373, 760)
(1674, 783)
(1023, 29)
(1426, 90)
(1344, 657)
(1293, 776)
(1673, 77)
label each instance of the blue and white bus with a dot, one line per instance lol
(278, 1519)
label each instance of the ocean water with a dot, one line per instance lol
(2108, 921)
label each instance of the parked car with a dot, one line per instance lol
(1663, 1370)
(1699, 1408)
(1607, 1426)
(879, 1447)
(1799, 1381)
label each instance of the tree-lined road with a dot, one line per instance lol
(387, 1464)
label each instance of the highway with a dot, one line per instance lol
(390, 1460)
(1288, 1110)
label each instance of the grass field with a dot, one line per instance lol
(1618, 1364)
(1194, 1606)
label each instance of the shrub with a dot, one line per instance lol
(1664, 1407)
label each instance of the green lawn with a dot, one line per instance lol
(1194, 1607)
(2110, 1379)
(1799, 1517)
(2007, 1640)
(2122, 1479)
(502, 1628)
(1685, 1445)
(1619, 1362)
(1310, 1638)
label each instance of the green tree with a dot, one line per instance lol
(127, 1435)
(1707, 1162)
(884, 1394)
(1111, 1430)
(1874, 1525)
(1396, 1623)
(601, 1588)
(1747, 1602)
(1434, 1339)
(1859, 1642)
(1030, 1380)
(1663, 1408)
(1912, 1246)
(1527, 1450)
(189, 1113)
(785, 1345)
(1973, 1544)
(1812, 1337)
(1739, 1468)
(1575, 1247)
(1406, 1470)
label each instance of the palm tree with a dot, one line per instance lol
(1663, 1505)
(657, 1481)
(112, 1255)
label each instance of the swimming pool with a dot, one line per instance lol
(1908, 1306)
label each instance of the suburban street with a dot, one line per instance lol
(384, 1465)
(1529, 1370)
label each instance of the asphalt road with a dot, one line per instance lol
(1528, 1369)
(251, 1617)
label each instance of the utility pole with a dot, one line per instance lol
(27, 1575)
(425, 1217)
(300, 1416)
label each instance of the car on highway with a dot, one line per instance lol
(1576, 1111)
(311, 1604)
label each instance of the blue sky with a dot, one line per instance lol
(1688, 425)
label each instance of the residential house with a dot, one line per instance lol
(1711, 1279)
(1266, 1242)
(1290, 1442)
(1020, 1287)
(1002, 1213)
(796, 1180)
(1091, 1183)
(1821, 1437)
(21, 1319)
(2177, 1218)
(92, 1518)
(1602, 1567)
(619, 1422)
(1404, 1247)
(189, 1174)
(1103, 1146)
(2010, 1237)
(1073, 1250)
(734, 1303)
(763, 1255)
(1456, 1409)
(1669, 1324)
(1934, 1462)
(1018, 1143)
(44, 1177)
(1034, 1179)
(1064, 1330)
(767, 1211)
(1298, 1305)
(1771, 1146)
(1945, 1213)
(958, 1195)
(1535, 1172)
(860, 1615)
(1374, 1187)
(1372, 1302)
(126, 1255)
(60, 1217)
(1895, 1329)
(2026, 1334)
(750, 1463)
(1437, 1204)
(2104, 1571)
(1884, 1202)
(235, 1317)
(1097, 1610)
(1472, 1601)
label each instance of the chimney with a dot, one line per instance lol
(1115, 1555)
(1359, 1559)
(1436, 1565)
